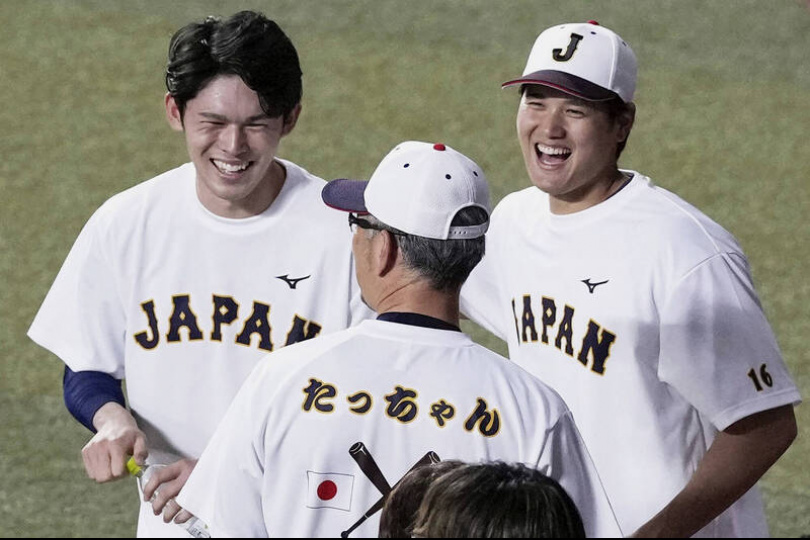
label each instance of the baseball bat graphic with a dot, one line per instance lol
(363, 457)
(430, 457)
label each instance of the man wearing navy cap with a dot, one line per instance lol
(320, 434)
(632, 304)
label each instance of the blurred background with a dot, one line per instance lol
(723, 114)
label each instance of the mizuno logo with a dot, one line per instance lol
(592, 286)
(292, 282)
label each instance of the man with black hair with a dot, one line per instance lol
(636, 307)
(182, 283)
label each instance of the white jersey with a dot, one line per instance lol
(183, 303)
(322, 429)
(641, 313)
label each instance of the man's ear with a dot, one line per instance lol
(290, 120)
(387, 252)
(626, 120)
(173, 114)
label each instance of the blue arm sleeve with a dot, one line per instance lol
(86, 391)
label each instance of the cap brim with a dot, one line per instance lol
(346, 195)
(570, 84)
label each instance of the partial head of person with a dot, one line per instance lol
(497, 500)
(234, 89)
(398, 517)
(419, 220)
(576, 113)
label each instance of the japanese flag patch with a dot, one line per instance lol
(329, 490)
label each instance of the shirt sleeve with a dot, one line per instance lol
(565, 459)
(717, 348)
(82, 320)
(225, 488)
(481, 295)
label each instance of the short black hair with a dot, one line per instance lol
(247, 44)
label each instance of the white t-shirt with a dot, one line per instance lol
(281, 463)
(183, 303)
(641, 313)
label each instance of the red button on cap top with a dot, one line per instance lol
(593, 22)
(440, 147)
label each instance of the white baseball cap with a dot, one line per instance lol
(417, 188)
(583, 59)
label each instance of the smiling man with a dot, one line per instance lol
(632, 304)
(182, 283)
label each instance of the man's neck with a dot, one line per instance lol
(417, 297)
(597, 193)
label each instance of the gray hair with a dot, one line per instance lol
(445, 264)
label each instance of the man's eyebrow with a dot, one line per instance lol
(257, 118)
(222, 118)
(213, 116)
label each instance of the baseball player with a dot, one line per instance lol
(632, 304)
(182, 283)
(322, 430)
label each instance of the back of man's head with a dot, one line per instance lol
(435, 203)
(248, 45)
(444, 264)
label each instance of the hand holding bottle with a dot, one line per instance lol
(160, 484)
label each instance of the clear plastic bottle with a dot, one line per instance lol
(194, 526)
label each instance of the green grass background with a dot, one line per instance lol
(724, 110)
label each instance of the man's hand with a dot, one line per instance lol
(117, 438)
(164, 485)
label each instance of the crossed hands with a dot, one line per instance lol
(119, 437)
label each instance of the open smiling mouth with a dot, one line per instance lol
(231, 167)
(551, 155)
